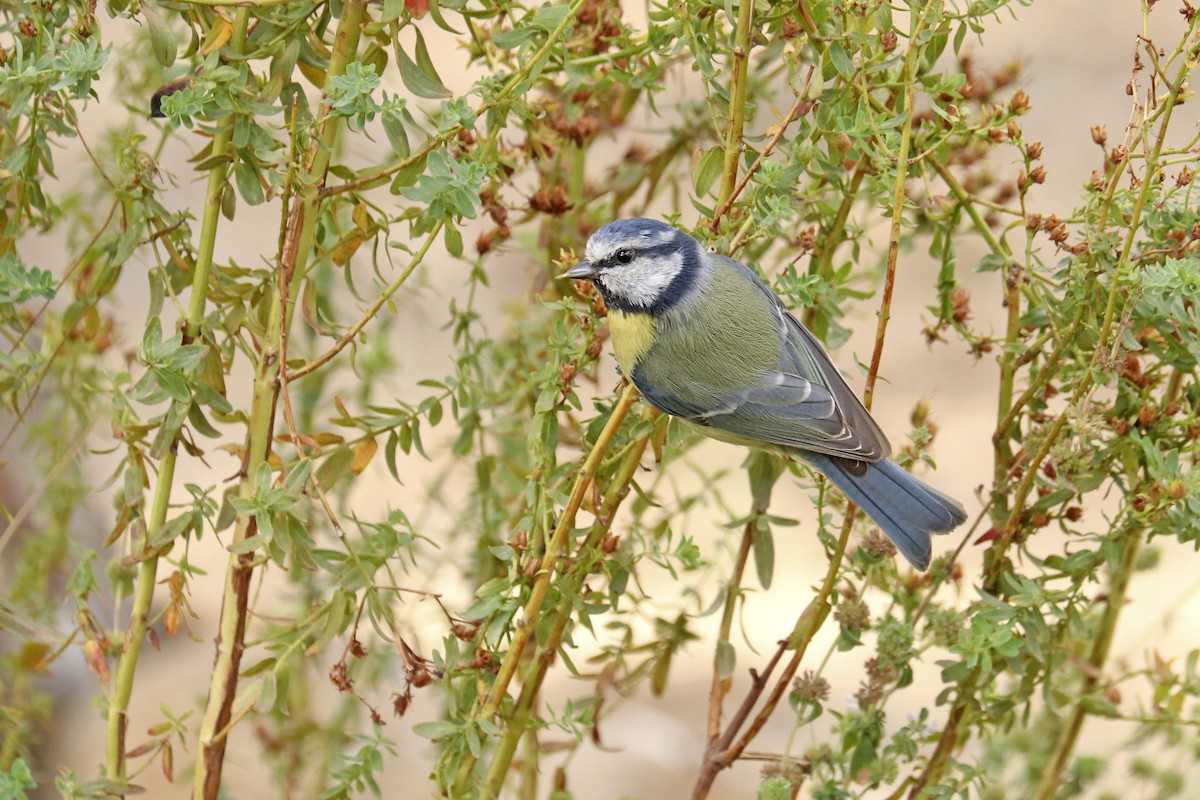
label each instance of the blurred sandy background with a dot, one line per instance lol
(1077, 55)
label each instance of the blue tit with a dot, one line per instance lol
(705, 340)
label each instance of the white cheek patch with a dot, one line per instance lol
(642, 281)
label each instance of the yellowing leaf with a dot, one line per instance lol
(364, 451)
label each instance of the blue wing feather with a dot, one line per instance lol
(805, 409)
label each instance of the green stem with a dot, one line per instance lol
(535, 674)
(554, 549)
(527, 66)
(374, 309)
(1152, 159)
(959, 713)
(1048, 371)
(118, 709)
(731, 746)
(298, 238)
(737, 101)
(822, 263)
(889, 278)
(1068, 734)
(733, 592)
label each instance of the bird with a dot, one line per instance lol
(705, 340)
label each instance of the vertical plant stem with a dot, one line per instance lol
(959, 714)
(518, 720)
(1003, 457)
(737, 101)
(1068, 734)
(1152, 159)
(554, 550)
(539, 666)
(889, 278)
(733, 592)
(118, 708)
(294, 253)
(530, 766)
(822, 263)
(733, 742)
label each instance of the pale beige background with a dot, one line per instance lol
(1078, 54)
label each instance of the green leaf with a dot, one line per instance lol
(992, 262)
(841, 61)
(764, 552)
(248, 182)
(726, 659)
(454, 246)
(436, 12)
(262, 481)
(707, 170)
(391, 10)
(389, 454)
(335, 466)
(548, 17)
(297, 476)
(419, 76)
(393, 128)
(408, 175)
(763, 469)
(437, 729)
(508, 40)
(502, 552)
(162, 39)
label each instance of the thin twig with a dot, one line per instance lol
(374, 308)
(800, 103)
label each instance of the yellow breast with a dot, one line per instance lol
(632, 336)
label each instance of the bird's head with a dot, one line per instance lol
(640, 265)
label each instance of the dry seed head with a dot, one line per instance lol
(1147, 416)
(960, 300)
(550, 201)
(485, 242)
(465, 630)
(420, 676)
(878, 545)
(807, 239)
(811, 686)
(853, 613)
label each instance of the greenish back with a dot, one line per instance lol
(718, 342)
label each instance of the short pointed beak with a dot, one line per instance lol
(581, 271)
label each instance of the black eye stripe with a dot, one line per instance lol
(614, 260)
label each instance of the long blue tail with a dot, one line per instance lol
(906, 508)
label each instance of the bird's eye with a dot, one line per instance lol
(624, 255)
